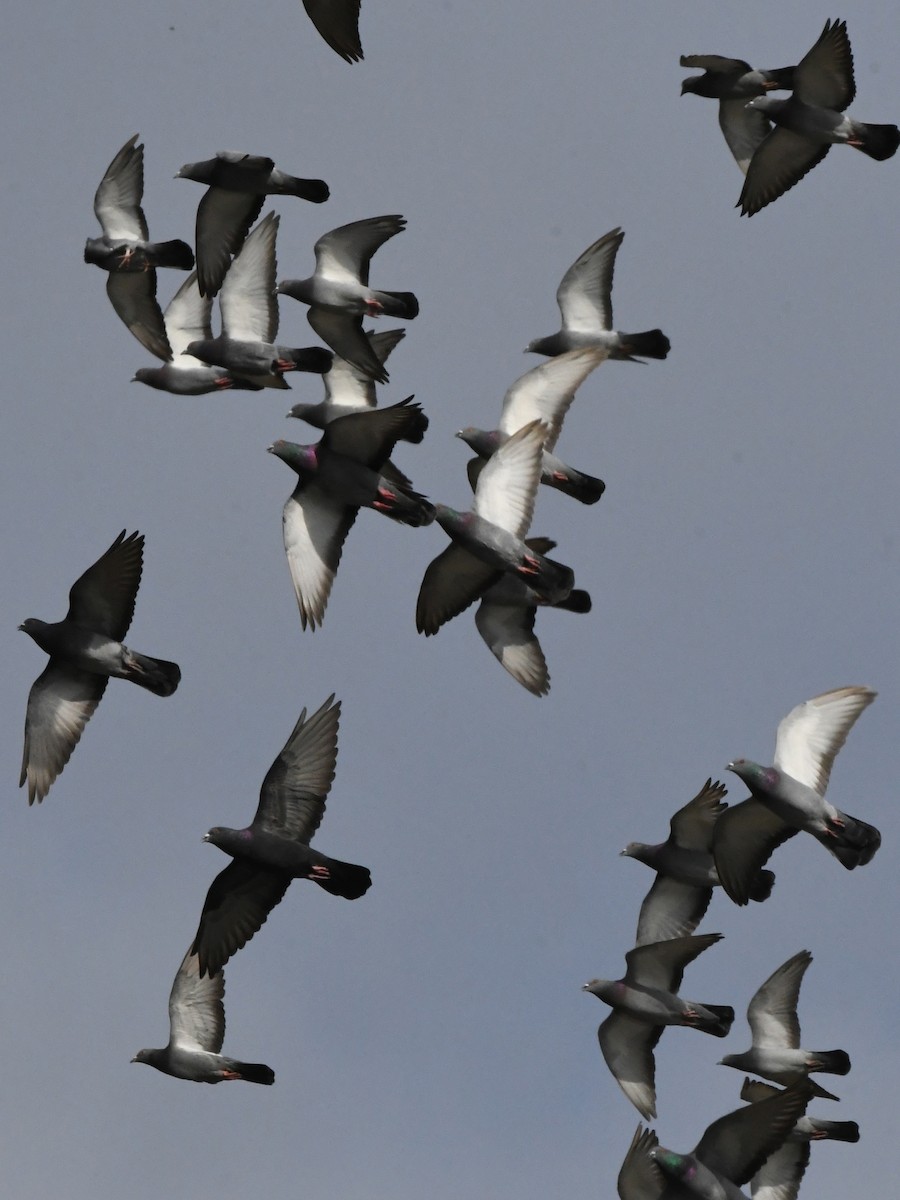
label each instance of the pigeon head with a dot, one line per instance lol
(311, 413)
(678, 1166)
(153, 1058)
(601, 988)
(699, 85)
(297, 289)
(32, 626)
(449, 518)
(641, 851)
(484, 443)
(755, 776)
(230, 840)
(302, 459)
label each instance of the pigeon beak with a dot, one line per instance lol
(730, 766)
(205, 837)
(21, 628)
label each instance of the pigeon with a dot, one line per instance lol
(810, 121)
(237, 186)
(585, 302)
(544, 393)
(339, 295)
(188, 319)
(85, 650)
(249, 310)
(779, 1177)
(790, 795)
(337, 22)
(125, 253)
(274, 848)
(336, 476)
(347, 388)
(685, 871)
(733, 82)
(729, 1154)
(644, 1002)
(775, 1053)
(486, 542)
(197, 1030)
(505, 620)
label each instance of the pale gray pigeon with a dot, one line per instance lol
(729, 1154)
(733, 82)
(505, 619)
(545, 394)
(85, 650)
(486, 542)
(779, 1177)
(274, 848)
(337, 22)
(337, 476)
(188, 319)
(685, 871)
(238, 185)
(790, 795)
(810, 122)
(776, 1052)
(347, 388)
(585, 302)
(125, 252)
(644, 1002)
(197, 1031)
(338, 293)
(249, 307)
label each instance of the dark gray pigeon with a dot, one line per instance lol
(274, 848)
(125, 252)
(188, 319)
(776, 1052)
(644, 1002)
(685, 871)
(585, 302)
(810, 122)
(85, 650)
(505, 619)
(238, 184)
(545, 394)
(486, 542)
(347, 388)
(337, 476)
(779, 1177)
(733, 82)
(249, 307)
(729, 1154)
(197, 1031)
(337, 22)
(339, 296)
(790, 795)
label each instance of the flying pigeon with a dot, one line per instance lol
(505, 619)
(347, 388)
(729, 1154)
(337, 21)
(85, 650)
(197, 1030)
(336, 476)
(585, 302)
(125, 253)
(733, 82)
(544, 393)
(339, 295)
(779, 1177)
(486, 542)
(643, 1003)
(249, 311)
(237, 187)
(685, 871)
(188, 319)
(790, 795)
(810, 121)
(274, 848)
(776, 1053)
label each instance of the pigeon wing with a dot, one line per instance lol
(745, 836)
(344, 253)
(368, 437)
(671, 909)
(639, 1176)
(810, 736)
(337, 22)
(627, 1045)
(60, 704)
(824, 76)
(223, 221)
(452, 581)
(248, 302)
(661, 964)
(133, 295)
(780, 161)
(196, 1008)
(237, 904)
(117, 202)
(508, 631)
(738, 1144)
(344, 334)
(744, 129)
(102, 599)
(584, 295)
(507, 486)
(692, 826)
(188, 317)
(292, 797)
(545, 392)
(315, 528)
(346, 386)
(772, 1012)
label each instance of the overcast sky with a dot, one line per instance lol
(432, 1038)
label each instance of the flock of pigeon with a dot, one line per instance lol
(490, 559)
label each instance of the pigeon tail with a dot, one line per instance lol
(577, 601)
(761, 888)
(313, 359)
(652, 343)
(721, 1025)
(552, 580)
(314, 190)
(585, 488)
(821, 1093)
(399, 304)
(406, 506)
(155, 674)
(345, 879)
(832, 1062)
(254, 1072)
(878, 141)
(854, 843)
(176, 254)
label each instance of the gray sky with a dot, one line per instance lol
(432, 1038)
